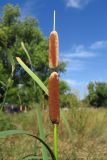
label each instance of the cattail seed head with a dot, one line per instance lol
(54, 110)
(53, 49)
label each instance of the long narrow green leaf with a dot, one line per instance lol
(4, 134)
(30, 157)
(41, 130)
(28, 56)
(34, 77)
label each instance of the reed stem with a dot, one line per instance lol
(56, 141)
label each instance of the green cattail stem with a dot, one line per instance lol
(56, 141)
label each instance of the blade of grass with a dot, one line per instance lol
(27, 54)
(41, 130)
(30, 158)
(4, 134)
(34, 77)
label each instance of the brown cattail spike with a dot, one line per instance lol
(53, 49)
(54, 110)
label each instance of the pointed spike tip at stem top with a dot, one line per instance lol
(54, 21)
(54, 110)
(53, 47)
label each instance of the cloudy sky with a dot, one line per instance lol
(82, 29)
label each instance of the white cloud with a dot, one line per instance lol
(78, 51)
(99, 45)
(73, 64)
(76, 57)
(77, 3)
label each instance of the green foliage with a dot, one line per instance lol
(67, 98)
(64, 87)
(97, 94)
(11, 14)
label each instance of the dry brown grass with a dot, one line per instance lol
(88, 139)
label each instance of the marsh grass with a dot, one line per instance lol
(88, 141)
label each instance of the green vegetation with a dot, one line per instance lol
(97, 95)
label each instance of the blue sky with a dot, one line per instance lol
(82, 29)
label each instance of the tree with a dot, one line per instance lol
(67, 98)
(10, 14)
(97, 94)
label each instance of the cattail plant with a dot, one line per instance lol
(53, 86)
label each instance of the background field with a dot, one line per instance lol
(87, 140)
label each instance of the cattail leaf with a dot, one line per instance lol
(30, 157)
(28, 56)
(41, 129)
(4, 134)
(34, 76)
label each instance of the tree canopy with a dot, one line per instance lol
(97, 94)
